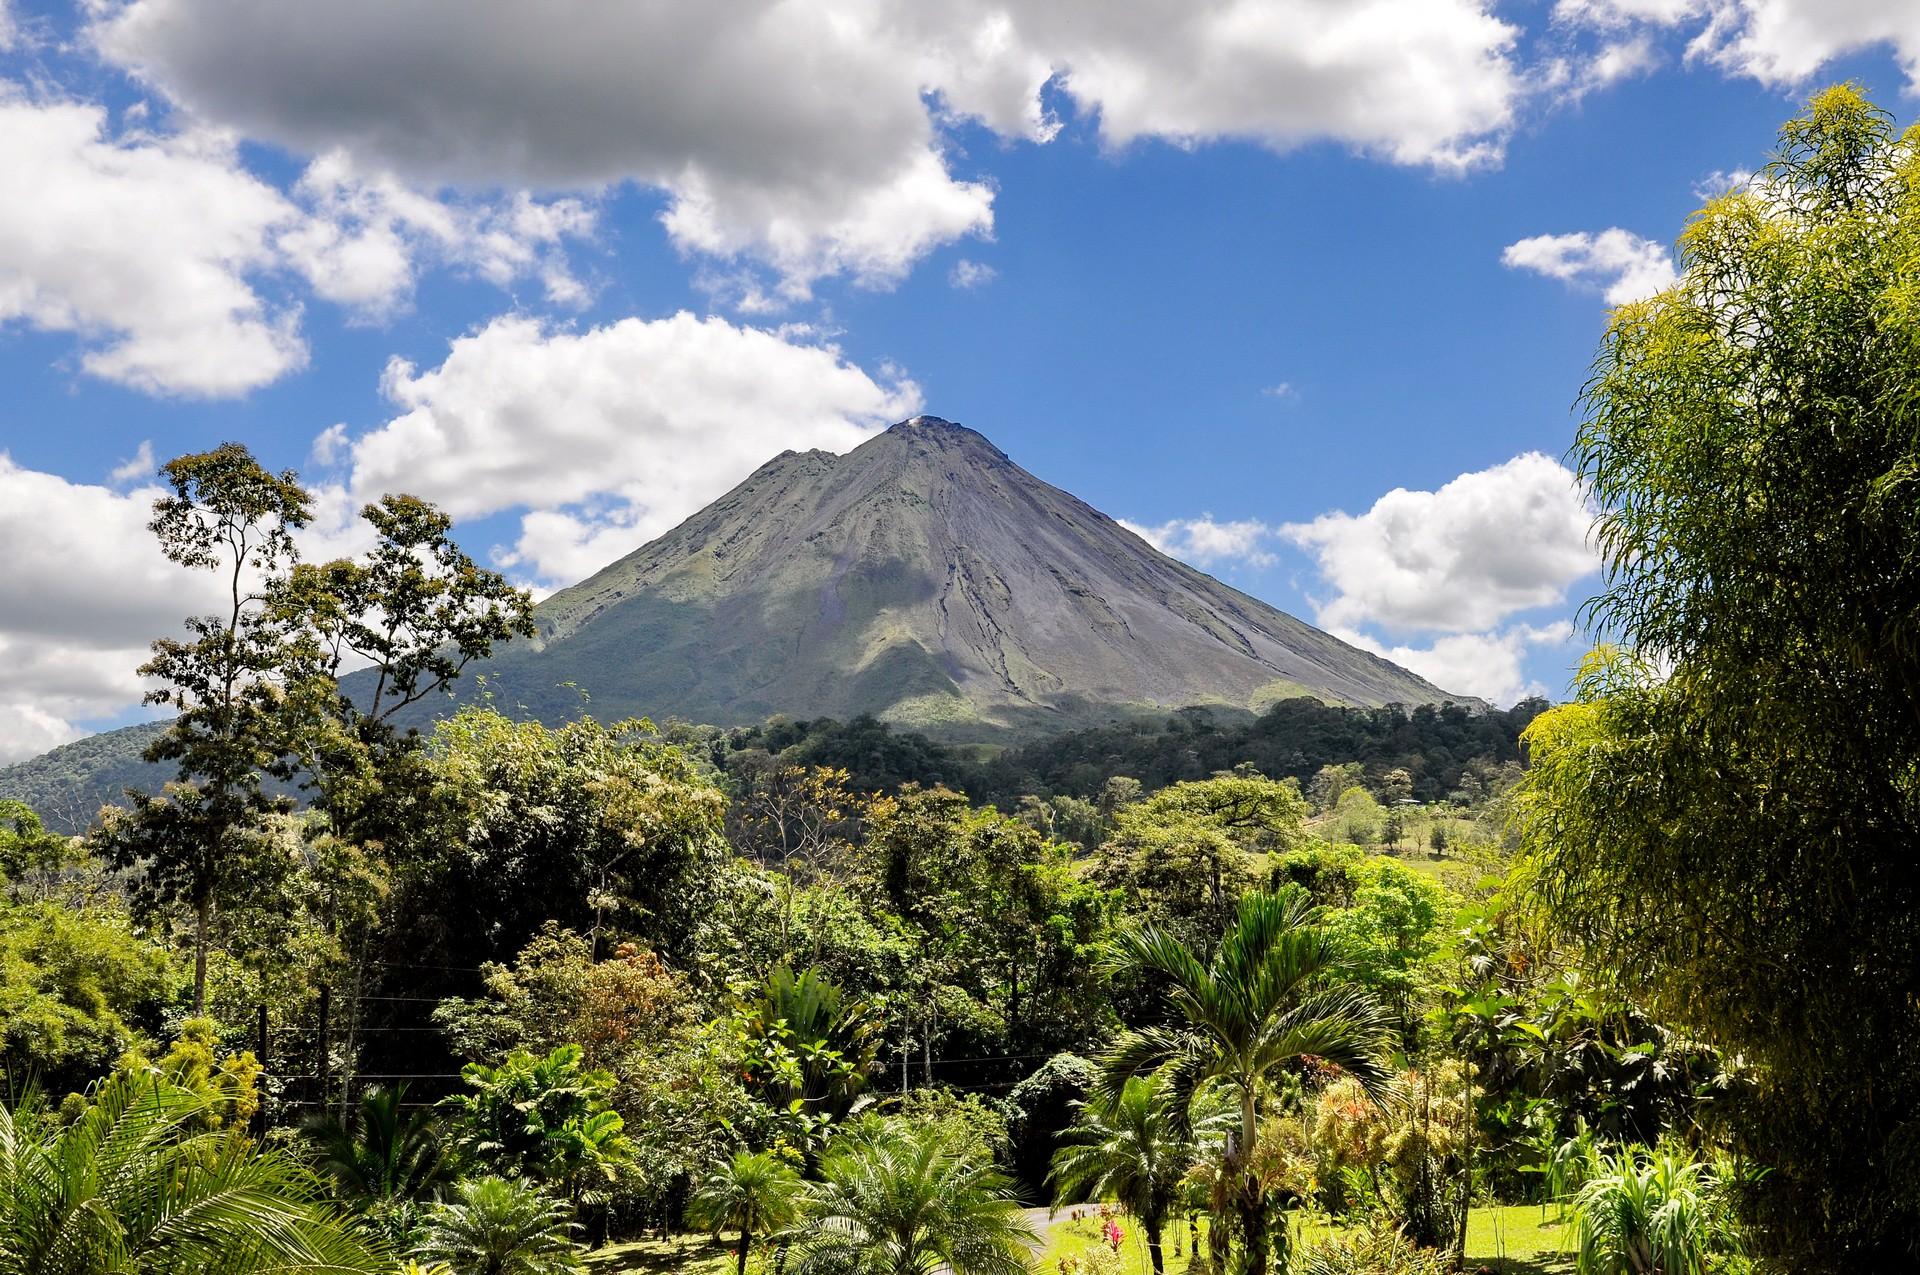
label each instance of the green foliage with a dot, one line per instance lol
(75, 985)
(556, 993)
(140, 1179)
(388, 1161)
(32, 860)
(1128, 1148)
(498, 1226)
(809, 1047)
(751, 1192)
(1643, 1212)
(897, 1200)
(1376, 1248)
(588, 825)
(545, 1118)
(1188, 852)
(1276, 992)
(1725, 818)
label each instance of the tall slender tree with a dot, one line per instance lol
(199, 844)
(1276, 992)
(1131, 1150)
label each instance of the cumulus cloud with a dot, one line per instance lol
(366, 233)
(609, 436)
(161, 252)
(1623, 266)
(143, 247)
(1206, 542)
(1486, 546)
(137, 468)
(1490, 666)
(1781, 43)
(1448, 572)
(84, 592)
(812, 137)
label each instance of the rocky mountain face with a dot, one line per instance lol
(927, 579)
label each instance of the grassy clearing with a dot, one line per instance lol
(1516, 1239)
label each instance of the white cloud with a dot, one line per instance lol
(609, 436)
(137, 468)
(809, 135)
(161, 252)
(360, 245)
(143, 246)
(1782, 43)
(85, 590)
(1205, 542)
(1486, 546)
(7, 30)
(1281, 389)
(1720, 182)
(1491, 666)
(971, 274)
(1622, 265)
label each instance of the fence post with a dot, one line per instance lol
(320, 1064)
(260, 1056)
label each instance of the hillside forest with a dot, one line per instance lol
(1625, 985)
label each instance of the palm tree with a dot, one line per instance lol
(1132, 1151)
(498, 1226)
(141, 1181)
(907, 1202)
(1273, 996)
(754, 1191)
(387, 1155)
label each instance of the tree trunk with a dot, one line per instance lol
(1153, 1248)
(1252, 1205)
(746, 1238)
(202, 915)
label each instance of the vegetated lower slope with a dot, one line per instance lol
(923, 578)
(928, 580)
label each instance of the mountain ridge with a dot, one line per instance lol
(923, 577)
(928, 579)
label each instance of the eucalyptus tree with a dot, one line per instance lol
(1276, 992)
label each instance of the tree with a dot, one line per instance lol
(1275, 993)
(74, 985)
(388, 1159)
(1393, 827)
(497, 1226)
(811, 1048)
(555, 993)
(143, 1180)
(753, 1191)
(413, 612)
(32, 860)
(1187, 852)
(1725, 820)
(197, 845)
(904, 1201)
(546, 1118)
(1130, 1150)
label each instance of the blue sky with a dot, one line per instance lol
(1302, 289)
